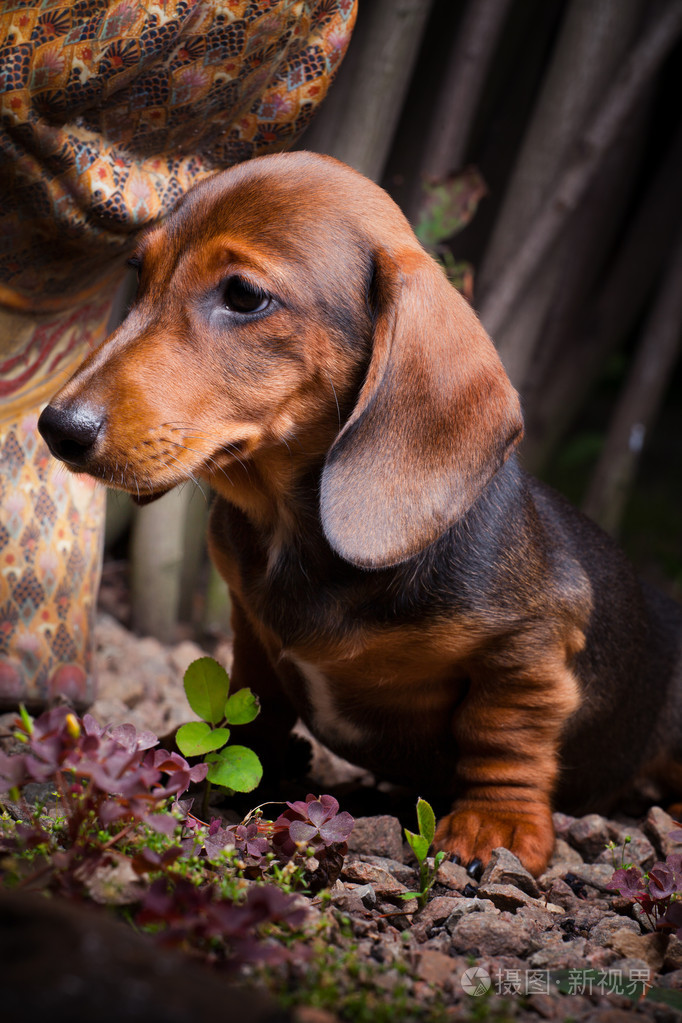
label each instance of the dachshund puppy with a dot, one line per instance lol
(430, 611)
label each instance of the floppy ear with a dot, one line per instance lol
(435, 419)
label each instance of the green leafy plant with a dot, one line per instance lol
(207, 687)
(613, 848)
(420, 844)
(446, 207)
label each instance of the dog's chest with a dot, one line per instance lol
(389, 686)
(321, 700)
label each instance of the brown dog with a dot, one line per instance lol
(430, 611)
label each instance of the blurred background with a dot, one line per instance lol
(536, 147)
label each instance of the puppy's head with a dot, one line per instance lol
(286, 316)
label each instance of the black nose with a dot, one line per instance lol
(70, 433)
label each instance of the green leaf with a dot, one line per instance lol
(667, 996)
(426, 819)
(207, 686)
(242, 707)
(26, 719)
(420, 846)
(408, 896)
(438, 859)
(197, 737)
(235, 767)
(447, 205)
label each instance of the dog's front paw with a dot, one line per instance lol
(474, 829)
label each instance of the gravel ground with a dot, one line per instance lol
(519, 930)
(559, 947)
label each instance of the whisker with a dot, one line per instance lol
(338, 410)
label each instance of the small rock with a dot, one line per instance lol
(508, 897)
(435, 968)
(400, 871)
(366, 873)
(378, 836)
(397, 914)
(560, 894)
(452, 875)
(594, 874)
(347, 899)
(543, 1004)
(463, 907)
(115, 884)
(589, 835)
(562, 822)
(609, 927)
(649, 947)
(367, 895)
(657, 828)
(482, 934)
(564, 854)
(673, 955)
(433, 914)
(632, 970)
(39, 792)
(587, 914)
(557, 954)
(506, 869)
(671, 980)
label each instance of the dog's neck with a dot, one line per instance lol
(276, 488)
(275, 480)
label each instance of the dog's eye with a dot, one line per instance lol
(242, 297)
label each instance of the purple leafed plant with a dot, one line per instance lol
(224, 931)
(118, 801)
(311, 834)
(658, 892)
(314, 822)
(102, 777)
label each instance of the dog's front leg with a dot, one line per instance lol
(507, 733)
(269, 734)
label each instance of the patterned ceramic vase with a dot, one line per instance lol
(111, 110)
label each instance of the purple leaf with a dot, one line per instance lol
(318, 813)
(198, 773)
(628, 882)
(12, 772)
(299, 831)
(674, 861)
(300, 806)
(110, 811)
(338, 828)
(132, 740)
(673, 918)
(39, 770)
(91, 726)
(661, 881)
(330, 804)
(162, 823)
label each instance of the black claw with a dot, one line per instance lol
(455, 858)
(475, 869)
(470, 891)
